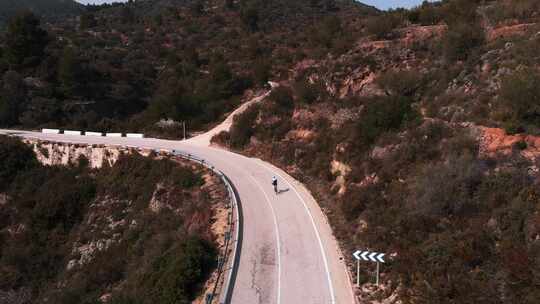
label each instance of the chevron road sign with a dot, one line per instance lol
(368, 256)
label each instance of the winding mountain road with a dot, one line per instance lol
(288, 254)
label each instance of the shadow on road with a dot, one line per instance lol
(283, 191)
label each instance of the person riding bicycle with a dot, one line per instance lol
(274, 183)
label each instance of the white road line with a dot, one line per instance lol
(278, 239)
(325, 259)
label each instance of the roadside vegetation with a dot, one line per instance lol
(79, 235)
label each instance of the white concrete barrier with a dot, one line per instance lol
(135, 135)
(50, 131)
(70, 132)
(113, 134)
(93, 133)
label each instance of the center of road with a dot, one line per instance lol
(278, 249)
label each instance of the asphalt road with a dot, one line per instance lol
(288, 252)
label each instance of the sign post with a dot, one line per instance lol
(357, 273)
(368, 256)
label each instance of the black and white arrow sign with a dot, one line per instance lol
(369, 256)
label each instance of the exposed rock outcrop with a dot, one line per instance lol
(53, 153)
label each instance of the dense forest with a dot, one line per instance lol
(421, 142)
(51, 10)
(149, 65)
(71, 234)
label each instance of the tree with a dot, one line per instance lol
(25, 39)
(16, 157)
(88, 20)
(12, 99)
(250, 16)
(381, 116)
(461, 38)
(69, 71)
(520, 96)
(383, 26)
(229, 4)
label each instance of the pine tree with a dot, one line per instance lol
(25, 39)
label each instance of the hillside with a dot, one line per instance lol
(421, 141)
(134, 230)
(418, 131)
(48, 9)
(149, 65)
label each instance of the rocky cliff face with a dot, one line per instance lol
(53, 153)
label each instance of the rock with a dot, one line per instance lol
(105, 298)
(300, 134)
(341, 170)
(71, 264)
(382, 152)
(51, 154)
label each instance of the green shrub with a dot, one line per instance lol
(135, 177)
(520, 145)
(382, 27)
(15, 158)
(242, 128)
(520, 97)
(461, 39)
(517, 9)
(283, 98)
(172, 277)
(381, 116)
(426, 14)
(310, 92)
(448, 189)
(400, 83)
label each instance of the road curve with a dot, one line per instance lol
(288, 253)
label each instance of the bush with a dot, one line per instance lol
(426, 14)
(15, 158)
(448, 189)
(242, 128)
(517, 9)
(135, 177)
(461, 39)
(400, 83)
(174, 277)
(520, 97)
(381, 116)
(283, 97)
(383, 26)
(309, 93)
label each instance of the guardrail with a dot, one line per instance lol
(88, 133)
(113, 134)
(134, 135)
(50, 131)
(70, 132)
(235, 212)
